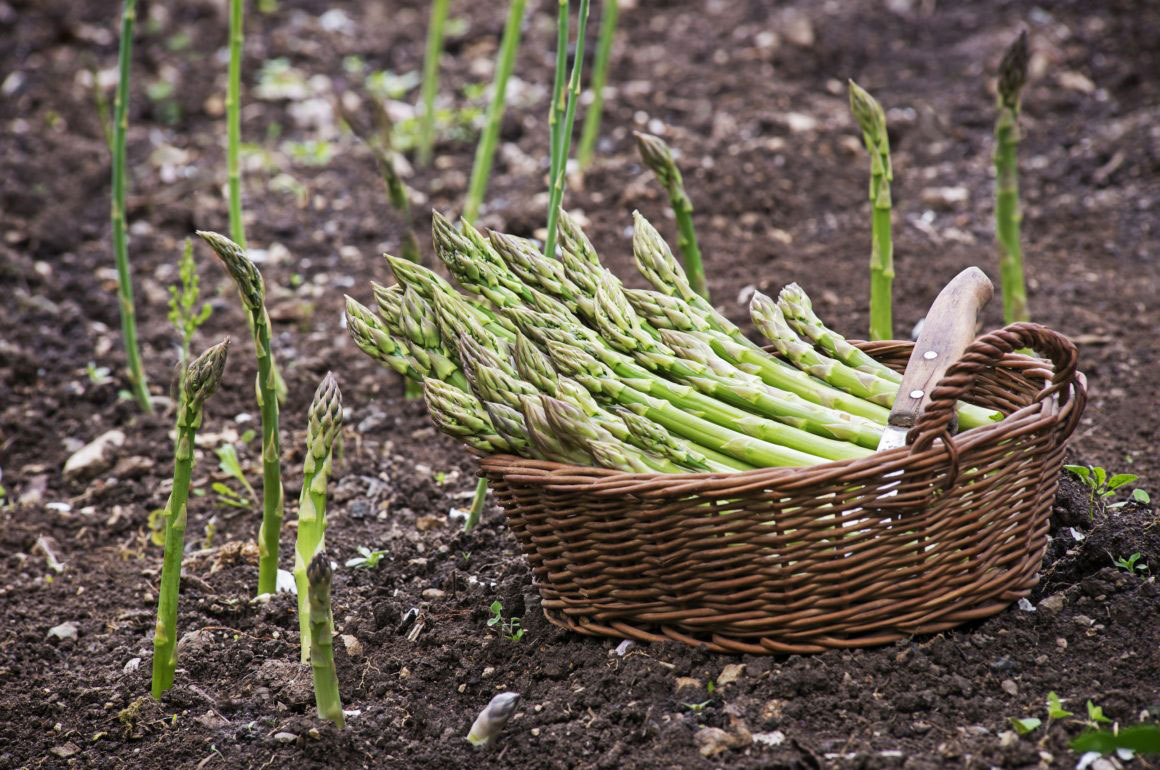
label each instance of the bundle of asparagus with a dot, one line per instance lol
(556, 360)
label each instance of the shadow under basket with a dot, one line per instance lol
(848, 554)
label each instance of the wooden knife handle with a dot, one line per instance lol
(947, 331)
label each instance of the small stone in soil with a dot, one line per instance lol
(66, 630)
(95, 456)
(1009, 687)
(285, 737)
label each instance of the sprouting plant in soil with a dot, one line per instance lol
(1131, 564)
(231, 465)
(368, 558)
(509, 628)
(871, 119)
(659, 158)
(590, 132)
(435, 31)
(1100, 484)
(321, 621)
(201, 380)
(1012, 78)
(186, 315)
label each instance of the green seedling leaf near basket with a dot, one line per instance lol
(1099, 483)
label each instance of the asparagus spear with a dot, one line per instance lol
(533, 365)
(252, 290)
(460, 414)
(678, 416)
(608, 12)
(799, 314)
(505, 62)
(806, 428)
(564, 136)
(871, 120)
(137, 380)
(770, 321)
(326, 696)
(673, 313)
(1012, 77)
(201, 380)
(325, 423)
(659, 158)
(234, 123)
(605, 449)
(431, 79)
(373, 338)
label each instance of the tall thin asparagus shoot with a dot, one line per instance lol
(1012, 77)
(137, 382)
(325, 423)
(431, 78)
(609, 10)
(659, 158)
(872, 121)
(252, 290)
(485, 152)
(326, 696)
(559, 95)
(564, 139)
(234, 122)
(202, 379)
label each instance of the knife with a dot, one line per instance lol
(948, 329)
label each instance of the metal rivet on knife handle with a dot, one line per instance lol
(930, 355)
(916, 394)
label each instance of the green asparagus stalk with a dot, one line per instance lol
(252, 290)
(770, 321)
(672, 313)
(137, 381)
(659, 158)
(872, 121)
(325, 423)
(609, 10)
(326, 696)
(605, 449)
(484, 153)
(1012, 77)
(559, 96)
(533, 365)
(548, 442)
(460, 414)
(234, 122)
(564, 138)
(201, 380)
(431, 79)
(679, 416)
(799, 314)
(373, 338)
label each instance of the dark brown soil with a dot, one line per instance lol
(778, 199)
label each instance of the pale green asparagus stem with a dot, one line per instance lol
(770, 321)
(559, 97)
(564, 140)
(799, 313)
(460, 414)
(605, 449)
(326, 696)
(673, 313)
(252, 290)
(431, 79)
(201, 380)
(234, 122)
(1012, 77)
(136, 371)
(871, 120)
(609, 10)
(659, 158)
(678, 416)
(393, 351)
(484, 153)
(323, 427)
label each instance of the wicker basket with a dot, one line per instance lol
(800, 560)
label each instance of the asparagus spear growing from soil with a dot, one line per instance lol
(492, 719)
(234, 123)
(609, 10)
(252, 290)
(872, 121)
(201, 380)
(1012, 77)
(799, 314)
(137, 381)
(564, 137)
(659, 158)
(325, 423)
(484, 153)
(326, 696)
(431, 79)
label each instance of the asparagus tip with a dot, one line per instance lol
(1013, 71)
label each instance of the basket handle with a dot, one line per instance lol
(984, 353)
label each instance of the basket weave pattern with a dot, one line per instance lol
(799, 560)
